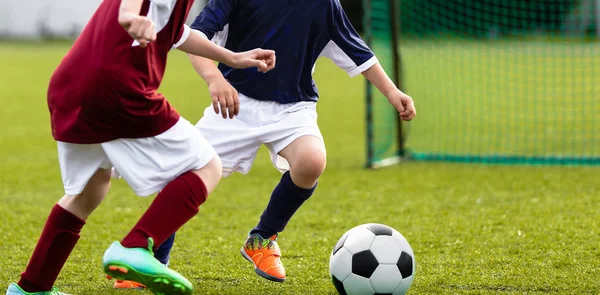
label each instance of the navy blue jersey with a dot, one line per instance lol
(298, 30)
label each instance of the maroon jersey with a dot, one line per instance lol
(106, 86)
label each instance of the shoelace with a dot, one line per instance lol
(258, 243)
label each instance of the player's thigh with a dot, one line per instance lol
(236, 140)
(98, 186)
(78, 164)
(296, 140)
(149, 164)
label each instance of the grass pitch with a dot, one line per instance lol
(529, 98)
(474, 229)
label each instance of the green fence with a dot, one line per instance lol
(501, 81)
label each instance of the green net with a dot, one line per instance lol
(384, 139)
(503, 81)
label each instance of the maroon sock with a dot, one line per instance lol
(175, 205)
(58, 238)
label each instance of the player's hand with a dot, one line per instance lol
(224, 98)
(140, 28)
(403, 103)
(262, 59)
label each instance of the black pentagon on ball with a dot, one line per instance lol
(339, 286)
(405, 265)
(380, 229)
(340, 243)
(364, 264)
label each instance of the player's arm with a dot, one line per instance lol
(351, 53)
(224, 96)
(213, 19)
(141, 28)
(402, 102)
(197, 44)
(207, 69)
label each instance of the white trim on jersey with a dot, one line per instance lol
(184, 36)
(201, 34)
(365, 66)
(342, 60)
(159, 12)
(220, 38)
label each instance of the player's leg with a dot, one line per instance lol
(83, 204)
(297, 147)
(238, 156)
(162, 254)
(307, 159)
(86, 185)
(185, 169)
(133, 260)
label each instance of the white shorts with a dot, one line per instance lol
(275, 125)
(147, 164)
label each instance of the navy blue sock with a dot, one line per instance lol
(285, 201)
(163, 252)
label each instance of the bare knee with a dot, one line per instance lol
(83, 204)
(211, 173)
(307, 166)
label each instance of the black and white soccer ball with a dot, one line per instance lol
(372, 259)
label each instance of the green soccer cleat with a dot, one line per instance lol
(139, 265)
(14, 289)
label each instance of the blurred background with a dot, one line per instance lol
(495, 184)
(51, 19)
(66, 18)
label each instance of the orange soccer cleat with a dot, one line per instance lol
(265, 255)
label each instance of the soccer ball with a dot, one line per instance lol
(372, 259)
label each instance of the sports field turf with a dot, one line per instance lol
(533, 98)
(475, 229)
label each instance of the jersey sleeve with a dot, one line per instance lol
(346, 48)
(183, 35)
(214, 17)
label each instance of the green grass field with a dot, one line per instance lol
(533, 98)
(475, 229)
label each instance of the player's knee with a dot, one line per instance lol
(84, 203)
(211, 173)
(310, 163)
